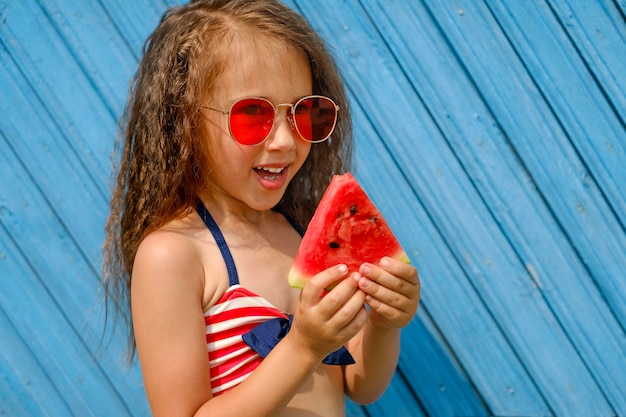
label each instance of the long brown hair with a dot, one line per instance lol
(159, 159)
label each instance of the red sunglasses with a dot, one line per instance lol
(250, 120)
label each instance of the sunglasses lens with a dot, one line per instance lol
(251, 120)
(315, 118)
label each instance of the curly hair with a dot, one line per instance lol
(159, 159)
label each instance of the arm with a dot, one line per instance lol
(392, 291)
(167, 287)
(166, 298)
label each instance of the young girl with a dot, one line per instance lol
(236, 122)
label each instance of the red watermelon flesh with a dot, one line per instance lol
(346, 229)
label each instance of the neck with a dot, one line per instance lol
(228, 211)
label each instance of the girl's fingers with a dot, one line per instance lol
(399, 269)
(392, 290)
(384, 295)
(330, 318)
(345, 300)
(315, 289)
(385, 310)
(351, 315)
(358, 321)
(394, 275)
(345, 296)
(326, 303)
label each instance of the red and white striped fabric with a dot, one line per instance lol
(231, 360)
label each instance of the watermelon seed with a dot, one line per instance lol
(373, 219)
(353, 209)
(334, 245)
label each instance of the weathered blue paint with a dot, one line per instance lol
(491, 133)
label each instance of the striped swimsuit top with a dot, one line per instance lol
(242, 327)
(238, 311)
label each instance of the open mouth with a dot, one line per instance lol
(270, 174)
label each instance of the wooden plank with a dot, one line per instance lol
(41, 234)
(598, 32)
(554, 165)
(63, 89)
(40, 143)
(571, 192)
(472, 235)
(548, 255)
(89, 35)
(135, 20)
(60, 351)
(600, 139)
(446, 389)
(354, 410)
(577, 97)
(588, 118)
(398, 401)
(25, 390)
(53, 300)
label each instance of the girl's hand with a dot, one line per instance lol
(324, 321)
(392, 291)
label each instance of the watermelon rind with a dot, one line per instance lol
(296, 279)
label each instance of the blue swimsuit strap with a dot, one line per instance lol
(233, 278)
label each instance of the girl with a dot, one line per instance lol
(227, 148)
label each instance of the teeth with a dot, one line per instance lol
(273, 170)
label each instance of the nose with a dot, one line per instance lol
(283, 134)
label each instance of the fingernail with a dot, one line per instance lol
(356, 276)
(365, 269)
(364, 283)
(384, 262)
(342, 268)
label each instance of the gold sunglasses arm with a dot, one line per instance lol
(214, 109)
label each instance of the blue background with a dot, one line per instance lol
(490, 133)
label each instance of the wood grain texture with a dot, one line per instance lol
(491, 134)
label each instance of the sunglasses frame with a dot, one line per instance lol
(290, 117)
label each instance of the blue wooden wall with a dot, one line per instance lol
(491, 133)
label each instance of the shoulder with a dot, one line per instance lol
(174, 260)
(166, 245)
(168, 249)
(166, 259)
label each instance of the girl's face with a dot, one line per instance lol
(257, 175)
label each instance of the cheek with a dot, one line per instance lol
(303, 150)
(216, 140)
(215, 143)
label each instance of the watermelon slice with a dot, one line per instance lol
(345, 229)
